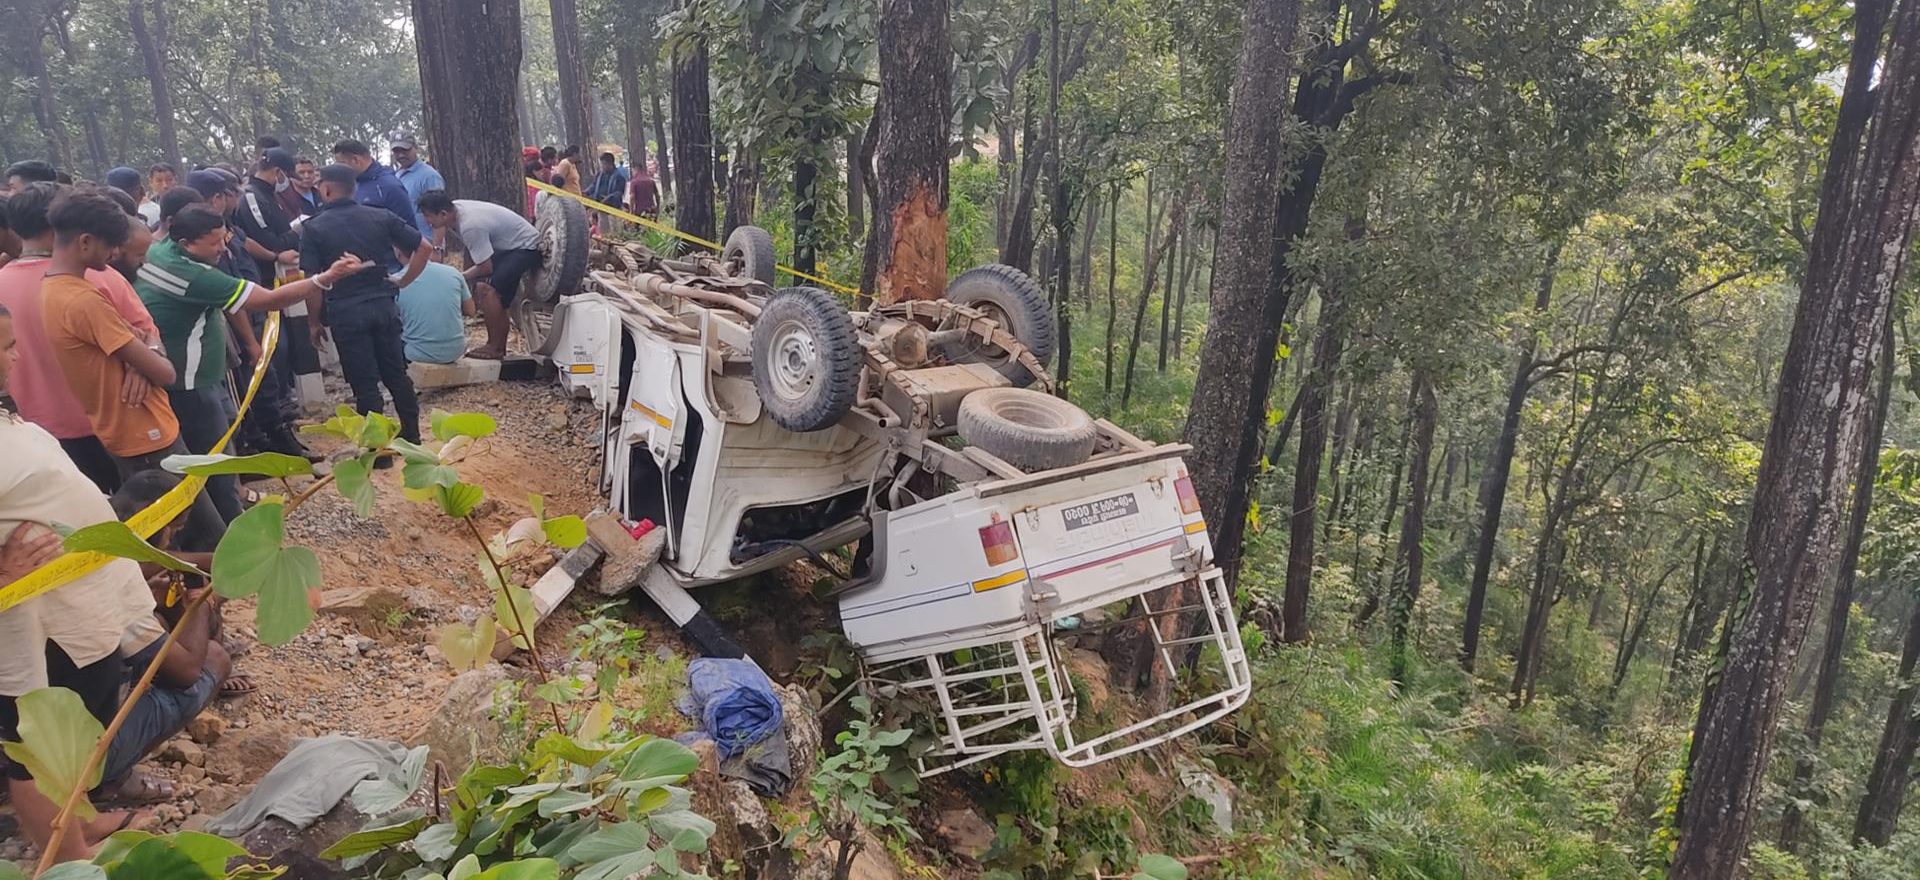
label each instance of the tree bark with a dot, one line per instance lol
(1176, 214)
(743, 188)
(1312, 418)
(662, 150)
(633, 104)
(469, 69)
(46, 107)
(1410, 560)
(856, 186)
(693, 139)
(1813, 453)
(1113, 265)
(1493, 479)
(1062, 219)
(1166, 299)
(576, 104)
(1893, 759)
(1827, 686)
(529, 133)
(915, 67)
(1008, 152)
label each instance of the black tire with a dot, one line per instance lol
(1014, 301)
(564, 246)
(753, 247)
(806, 359)
(1028, 429)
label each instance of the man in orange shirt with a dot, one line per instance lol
(566, 175)
(97, 351)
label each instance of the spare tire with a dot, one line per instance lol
(562, 225)
(753, 248)
(1031, 430)
(806, 359)
(1015, 302)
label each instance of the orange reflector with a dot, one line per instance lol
(1194, 528)
(997, 540)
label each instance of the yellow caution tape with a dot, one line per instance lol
(71, 566)
(657, 226)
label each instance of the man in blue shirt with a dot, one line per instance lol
(432, 313)
(416, 175)
(374, 184)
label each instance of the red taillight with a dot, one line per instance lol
(997, 541)
(1189, 502)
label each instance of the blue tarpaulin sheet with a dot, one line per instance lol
(734, 701)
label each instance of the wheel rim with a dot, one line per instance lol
(795, 360)
(998, 315)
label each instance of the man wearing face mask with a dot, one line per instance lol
(260, 216)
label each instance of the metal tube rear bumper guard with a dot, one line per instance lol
(1015, 694)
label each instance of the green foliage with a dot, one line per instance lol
(868, 783)
(569, 807)
(114, 538)
(57, 733)
(252, 560)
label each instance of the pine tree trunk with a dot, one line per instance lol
(1861, 241)
(633, 104)
(576, 104)
(693, 140)
(529, 133)
(1062, 219)
(1410, 560)
(1176, 214)
(469, 62)
(743, 190)
(1493, 479)
(1166, 301)
(1113, 267)
(152, 42)
(46, 106)
(915, 66)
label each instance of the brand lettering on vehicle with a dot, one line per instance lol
(1094, 513)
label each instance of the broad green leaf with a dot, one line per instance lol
(373, 840)
(637, 864)
(252, 561)
(523, 795)
(427, 474)
(684, 830)
(568, 800)
(351, 477)
(115, 539)
(523, 869)
(437, 842)
(1158, 867)
(660, 759)
(75, 871)
(513, 606)
(376, 797)
(468, 647)
(560, 691)
(595, 723)
(612, 842)
(345, 424)
(559, 746)
(267, 464)
(447, 426)
(156, 857)
(413, 452)
(379, 430)
(459, 499)
(465, 869)
(57, 736)
(565, 531)
(539, 504)
(209, 852)
(11, 871)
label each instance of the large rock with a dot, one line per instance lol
(746, 834)
(465, 729)
(802, 719)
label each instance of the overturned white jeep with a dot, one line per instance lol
(759, 426)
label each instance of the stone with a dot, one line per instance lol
(463, 729)
(280, 845)
(206, 728)
(965, 833)
(196, 823)
(746, 834)
(182, 751)
(802, 719)
(1209, 788)
(191, 773)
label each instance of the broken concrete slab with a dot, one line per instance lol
(465, 371)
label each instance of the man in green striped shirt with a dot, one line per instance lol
(191, 302)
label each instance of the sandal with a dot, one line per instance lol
(237, 685)
(139, 790)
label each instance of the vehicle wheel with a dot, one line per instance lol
(1028, 429)
(1014, 302)
(753, 248)
(535, 323)
(562, 224)
(806, 359)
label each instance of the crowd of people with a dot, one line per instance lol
(131, 318)
(632, 189)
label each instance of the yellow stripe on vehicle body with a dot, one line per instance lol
(998, 581)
